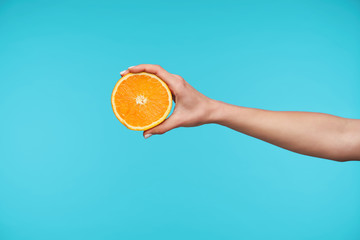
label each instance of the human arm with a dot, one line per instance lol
(314, 134)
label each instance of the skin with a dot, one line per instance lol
(314, 134)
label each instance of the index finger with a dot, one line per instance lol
(154, 69)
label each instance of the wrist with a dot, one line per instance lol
(215, 111)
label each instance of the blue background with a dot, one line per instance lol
(70, 170)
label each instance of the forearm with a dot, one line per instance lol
(313, 134)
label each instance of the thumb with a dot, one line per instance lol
(162, 128)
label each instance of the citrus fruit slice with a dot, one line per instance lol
(141, 101)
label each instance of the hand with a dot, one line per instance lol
(192, 108)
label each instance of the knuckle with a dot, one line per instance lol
(180, 83)
(177, 121)
(160, 131)
(157, 66)
(178, 77)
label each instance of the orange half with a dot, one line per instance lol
(141, 101)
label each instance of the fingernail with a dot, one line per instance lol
(121, 73)
(131, 67)
(147, 135)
